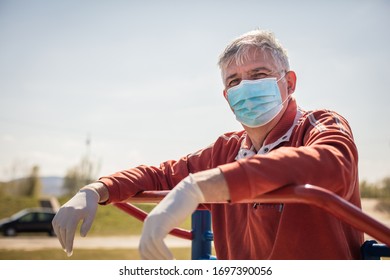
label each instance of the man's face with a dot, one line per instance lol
(258, 65)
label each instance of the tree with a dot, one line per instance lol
(386, 187)
(80, 175)
(33, 183)
(369, 190)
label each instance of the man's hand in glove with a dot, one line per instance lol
(83, 207)
(181, 202)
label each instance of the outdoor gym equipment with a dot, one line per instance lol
(202, 237)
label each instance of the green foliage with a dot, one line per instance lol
(80, 175)
(379, 190)
(369, 190)
(386, 187)
(34, 184)
(74, 180)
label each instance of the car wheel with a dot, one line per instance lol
(10, 231)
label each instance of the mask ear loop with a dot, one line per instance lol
(285, 73)
(289, 96)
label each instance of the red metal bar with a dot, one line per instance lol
(331, 203)
(141, 215)
(306, 194)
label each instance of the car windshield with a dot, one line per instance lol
(19, 214)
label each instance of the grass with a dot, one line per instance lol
(85, 254)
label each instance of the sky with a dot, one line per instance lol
(140, 81)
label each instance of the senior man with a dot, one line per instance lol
(281, 144)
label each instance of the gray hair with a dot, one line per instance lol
(259, 39)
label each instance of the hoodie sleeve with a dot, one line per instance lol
(125, 184)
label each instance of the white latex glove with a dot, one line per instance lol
(181, 202)
(82, 206)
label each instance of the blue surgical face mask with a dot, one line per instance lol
(255, 102)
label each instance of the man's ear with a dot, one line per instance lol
(291, 78)
(225, 94)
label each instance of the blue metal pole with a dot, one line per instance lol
(202, 235)
(372, 250)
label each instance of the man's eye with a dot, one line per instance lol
(234, 82)
(260, 76)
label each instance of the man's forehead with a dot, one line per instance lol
(252, 62)
(254, 58)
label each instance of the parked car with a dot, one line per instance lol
(28, 220)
